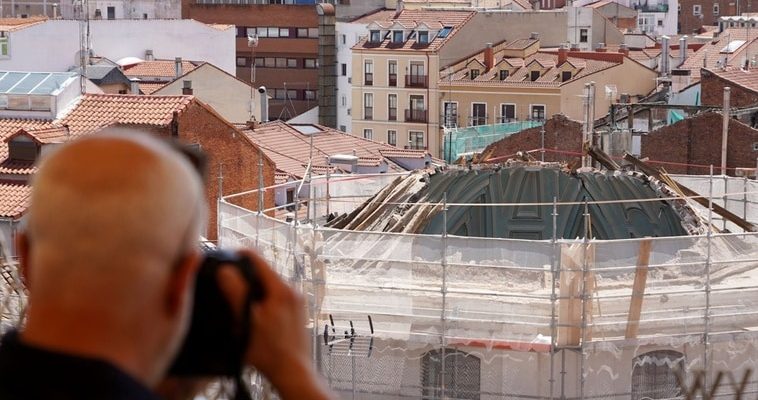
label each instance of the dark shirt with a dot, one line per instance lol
(28, 372)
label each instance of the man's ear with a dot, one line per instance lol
(182, 281)
(23, 250)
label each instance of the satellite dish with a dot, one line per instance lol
(252, 40)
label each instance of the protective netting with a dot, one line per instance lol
(459, 141)
(435, 316)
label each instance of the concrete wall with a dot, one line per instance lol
(494, 96)
(604, 31)
(348, 35)
(129, 9)
(53, 46)
(228, 95)
(19, 8)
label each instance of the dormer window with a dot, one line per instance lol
(397, 36)
(565, 76)
(374, 36)
(23, 148)
(423, 37)
(534, 75)
(503, 74)
(474, 73)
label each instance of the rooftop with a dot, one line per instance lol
(14, 24)
(41, 83)
(711, 55)
(746, 78)
(158, 68)
(14, 199)
(441, 25)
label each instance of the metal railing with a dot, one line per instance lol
(415, 116)
(417, 81)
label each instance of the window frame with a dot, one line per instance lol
(503, 115)
(532, 107)
(392, 137)
(390, 97)
(368, 106)
(584, 35)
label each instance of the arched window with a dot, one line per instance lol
(654, 375)
(462, 375)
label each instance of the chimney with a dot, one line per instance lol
(178, 65)
(134, 86)
(600, 47)
(663, 64)
(705, 58)
(682, 49)
(489, 57)
(562, 55)
(149, 55)
(264, 103)
(327, 58)
(624, 49)
(534, 36)
(399, 8)
(253, 124)
(187, 88)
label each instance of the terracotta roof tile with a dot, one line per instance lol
(9, 127)
(14, 199)
(15, 24)
(451, 18)
(158, 68)
(748, 79)
(711, 51)
(150, 88)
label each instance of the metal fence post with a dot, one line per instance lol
(443, 340)
(707, 315)
(554, 274)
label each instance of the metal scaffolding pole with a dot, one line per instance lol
(707, 315)
(444, 289)
(585, 267)
(554, 274)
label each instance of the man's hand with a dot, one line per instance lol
(278, 346)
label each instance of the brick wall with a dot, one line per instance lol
(561, 135)
(229, 150)
(689, 22)
(698, 141)
(712, 91)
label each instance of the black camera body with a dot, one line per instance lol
(217, 339)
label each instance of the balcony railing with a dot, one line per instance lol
(477, 120)
(449, 120)
(415, 147)
(418, 81)
(392, 80)
(415, 116)
(503, 119)
(392, 114)
(368, 113)
(662, 8)
(368, 79)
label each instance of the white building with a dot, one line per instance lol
(127, 9)
(53, 45)
(348, 34)
(656, 17)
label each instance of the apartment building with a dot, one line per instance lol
(654, 17)
(124, 9)
(515, 81)
(30, 8)
(695, 14)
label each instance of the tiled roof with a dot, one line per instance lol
(158, 68)
(150, 88)
(45, 134)
(447, 18)
(523, 4)
(9, 127)
(290, 149)
(520, 77)
(711, 51)
(97, 110)
(748, 79)
(15, 24)
(14, 199)
(520, 44)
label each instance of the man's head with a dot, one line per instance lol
(111, 246)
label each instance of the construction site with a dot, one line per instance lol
(525, 280)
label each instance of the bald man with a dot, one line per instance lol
(110, 257)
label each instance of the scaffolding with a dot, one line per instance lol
(474, 139)
(441, 316)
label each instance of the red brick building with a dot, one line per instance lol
(228, 150)
(286, 57)
(694, 14)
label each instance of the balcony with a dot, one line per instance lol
(477, 120)
(449, 120)
(392, 80)
(652, 8)
(415, 116)
(503, 119)
(415, 147)
(416, 81)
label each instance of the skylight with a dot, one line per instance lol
(733, 46)
(444, 32)
(33, 82)
(307, 129)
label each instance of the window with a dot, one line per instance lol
(241, 31)
(565, 76)
(259, 61)
(344, 101)
(273, 32)
(344, 69)
(284, 32)
(504, 74)
(241, 61)
(478, 114)
(281, 62)
(291, 94)
(368, 106)
(280, 94)
(474, 73)
(462, 375)
(22, 148)
(374, 37)
(450, 113)
(251, 32)
(343, 39)
(309, 63)
(392, 107)
(445, 31)
(716, 9)
(534, 75)
(507, 113)
(368, 72)
(311, 95)
(269, 62)
(397, 36)
(755, 146)
(654, 376)
(368, 134)
(392, 70)
(416, 140)
(313, 33)
(392, 137)
(111, 12)
(696, 10)
(343, 128)
(302, 32)
(660, 22)
(292, 63)
(423, 37)
(538, 112)
(583, 35)
(417, 112)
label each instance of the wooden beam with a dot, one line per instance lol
(728, 215)
(603, 158)
(638, 289)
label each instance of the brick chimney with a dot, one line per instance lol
(187, 88)
(624, 49)
(563, 53)
(489, 57)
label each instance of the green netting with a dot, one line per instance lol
(459, 141)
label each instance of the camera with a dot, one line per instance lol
(217, 339)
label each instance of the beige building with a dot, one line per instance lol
(515, 81)
(226, 94)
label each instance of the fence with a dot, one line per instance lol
(438, 316)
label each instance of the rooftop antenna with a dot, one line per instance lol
(84, 45)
